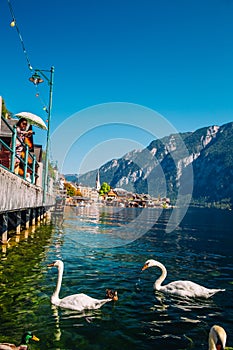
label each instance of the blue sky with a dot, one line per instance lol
(171, 56)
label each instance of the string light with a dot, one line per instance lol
(14, 24)
(36, 79)
(38, 95)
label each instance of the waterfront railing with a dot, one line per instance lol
(8, 154)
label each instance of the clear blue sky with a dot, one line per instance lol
(171, 56)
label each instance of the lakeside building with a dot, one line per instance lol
(83, 195)
(118, 197)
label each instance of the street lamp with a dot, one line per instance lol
(36, 79)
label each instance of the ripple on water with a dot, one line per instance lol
(141, 319)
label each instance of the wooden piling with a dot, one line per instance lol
(27, 218)
(33, 216)
(18, 222)
(4, 230)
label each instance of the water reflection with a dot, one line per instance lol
(4, 249)
(57, 219)
(15, 239)
(185, 304)
(121, 225)
(88, 315)
(141, 319)
(57, 333)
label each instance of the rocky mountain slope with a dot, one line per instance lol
(199, 163)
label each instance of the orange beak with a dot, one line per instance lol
(115, 298)
(145, 267)
(35, 338)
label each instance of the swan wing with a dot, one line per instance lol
(80, 302)
(189, 289)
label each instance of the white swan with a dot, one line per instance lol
(78, 302)
(181, 288)
(217, 338)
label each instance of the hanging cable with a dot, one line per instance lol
(38, 94)
(14, 24)
(40, 97)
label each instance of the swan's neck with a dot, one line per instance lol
(55, 295)
(212, 344)
(217, 335)
(159, 281)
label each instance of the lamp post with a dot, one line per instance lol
(36, 79)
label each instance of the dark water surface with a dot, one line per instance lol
(96, 257)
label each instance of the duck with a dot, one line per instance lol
(78, 302)
(112, 294)
(217, 338)
(24, 344)
(179, 288)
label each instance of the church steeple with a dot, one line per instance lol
(97, 181)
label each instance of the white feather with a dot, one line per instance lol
(181, 288)
(78, 302)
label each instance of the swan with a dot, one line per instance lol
(77, 302)
(180, 288)
(27, 336)
(217, 338)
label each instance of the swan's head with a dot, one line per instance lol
(217, 338)
(57, 263)
(149, 263)
(111, 294)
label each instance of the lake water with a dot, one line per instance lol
(101, 248)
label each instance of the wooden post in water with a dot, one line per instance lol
(38, 215)
(27, 218)
(4, 228)
(42, 214)
(33, 216)
(18, 222)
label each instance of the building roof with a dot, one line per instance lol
(111, 193)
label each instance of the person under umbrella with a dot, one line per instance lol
(22, 133)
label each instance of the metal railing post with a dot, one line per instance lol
(33, 169)
(25, 162)
(13, 149)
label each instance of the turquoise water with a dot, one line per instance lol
(101, 249)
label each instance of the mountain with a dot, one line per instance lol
(198, 163)
(71, 177)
